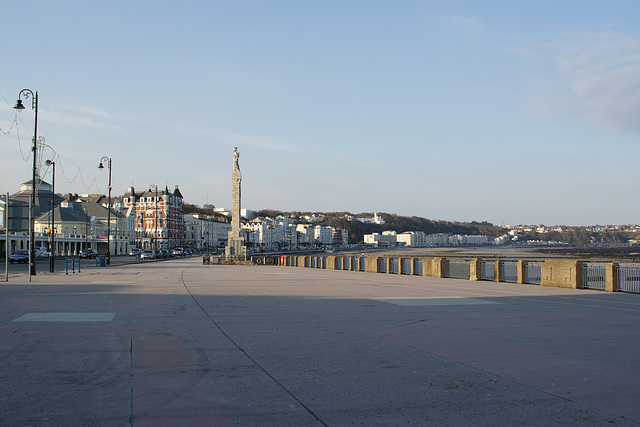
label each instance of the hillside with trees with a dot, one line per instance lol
(357, 229)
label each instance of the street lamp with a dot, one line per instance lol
(26, 93)
(53, 212)
(108, 160)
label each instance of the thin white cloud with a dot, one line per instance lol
(238, 140)
(597, 78)
(464, 23)
(80, 120)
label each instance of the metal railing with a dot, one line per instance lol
(419, 267)
(488, 270)
(594, 277)
(532, 273)
(406, 265)
(394, 265)
(628, 279)
(509, 271)
(457, 269)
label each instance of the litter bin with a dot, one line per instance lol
(103, 260)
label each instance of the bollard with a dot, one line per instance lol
(79, 265)
(66, 265)
(73, 265)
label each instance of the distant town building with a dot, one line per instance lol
(419, 238)
(202, 232)
(159, 221)
(375, 220)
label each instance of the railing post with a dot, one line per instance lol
(331, 262)
(562, 273)
(611, 272)
(372, 264)
(427, 267)
(497, 275)
(521, 275)
(475, 269)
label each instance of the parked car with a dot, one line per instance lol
(148, 254)
(178, 252)
(163, 253)
(188, 252)
(88, 253)
(20, 256)
(42, 253)
(135, 251)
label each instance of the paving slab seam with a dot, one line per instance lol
(258, 365)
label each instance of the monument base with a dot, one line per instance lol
(235, 251)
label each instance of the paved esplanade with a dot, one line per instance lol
(177, 343)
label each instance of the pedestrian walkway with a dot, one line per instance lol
(176, 343)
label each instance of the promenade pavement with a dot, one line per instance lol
(177, 343)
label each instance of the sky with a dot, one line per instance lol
(500, 111)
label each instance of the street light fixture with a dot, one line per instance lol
(26, 93)
(108, 160)
(53, 219)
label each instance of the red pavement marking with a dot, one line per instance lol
(169, 388)
(465, 339)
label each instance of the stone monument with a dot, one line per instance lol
(236, 250)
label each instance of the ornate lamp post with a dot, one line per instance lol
(53, 219)
(108, 160)
(26, 93)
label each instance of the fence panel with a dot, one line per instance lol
(510, 271)
(457, 269)
(383, 265)
(362, 264)
(394, 265)
(594, 277)
(419, 264)
(629, 279)
(532, 273)
(488, 270)
(406, 265)
(338, 263)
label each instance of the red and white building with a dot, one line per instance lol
(159, 222)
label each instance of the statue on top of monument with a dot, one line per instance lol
(236, 158)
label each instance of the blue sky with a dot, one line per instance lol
(503, 111)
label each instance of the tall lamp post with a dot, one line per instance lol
(26, 93)
(108, 160)
(53, 214)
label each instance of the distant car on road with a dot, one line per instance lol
(163, 253)
(135, 251)
(148, 254)
(188, 252)
(88, 253)
(178, 252)
(42, 253)
(20, 256)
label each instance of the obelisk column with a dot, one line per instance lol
(235, 244)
